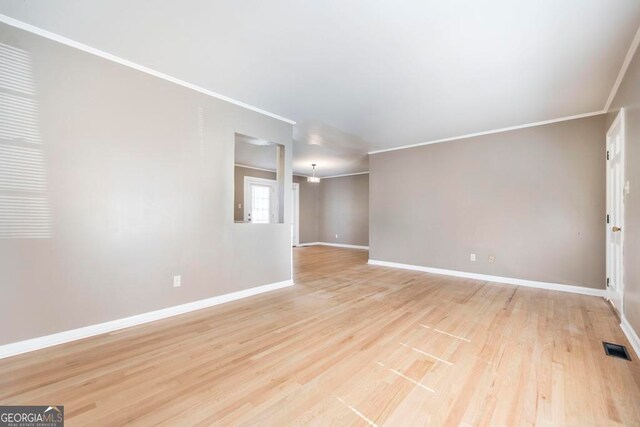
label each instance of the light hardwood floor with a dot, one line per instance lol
(350, 344)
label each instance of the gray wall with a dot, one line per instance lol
(534, 198)
(344, 210)
(335, 206)
(628, 96)
(123, 184)
(309, 210)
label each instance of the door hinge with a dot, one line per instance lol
(607, 154)
(607, 218)
(607, 281)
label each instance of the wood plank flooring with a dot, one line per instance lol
(350, 344)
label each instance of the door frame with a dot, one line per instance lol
(619, 121)
(248, 180)
(295, 193)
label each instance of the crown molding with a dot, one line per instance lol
(240, 165)
(343, 175)
(489, 132)
(623, 70)
(97, 52)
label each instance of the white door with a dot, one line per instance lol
(615, 211)
(295, 215)
(260, 204)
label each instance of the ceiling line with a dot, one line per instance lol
(240, 165)
(72, 43)
(346, 174)
(75, 44)
(489, 132)
(623, 70)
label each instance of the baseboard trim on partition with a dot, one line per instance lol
(309, 244)
(337, 245)
(33, 344)
(498, 279)
(631, 335)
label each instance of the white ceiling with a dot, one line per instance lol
(364, 75)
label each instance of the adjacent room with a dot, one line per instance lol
(319, 213)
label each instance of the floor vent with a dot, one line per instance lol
(616, 350)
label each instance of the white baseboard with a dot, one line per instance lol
(309, 244)
(337, 245)
(631, 335)
(20, 347)
(498, 279)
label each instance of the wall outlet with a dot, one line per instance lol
(492, 259)
(177, 281)
(473, 257)
(336, 236)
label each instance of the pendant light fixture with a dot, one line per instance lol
(313, 178)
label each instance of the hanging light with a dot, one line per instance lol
(313, 178)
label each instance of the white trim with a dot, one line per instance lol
(631, 335)
(337, 245)
(623, 69)
(72, 43)
(343, 245)
(497, 279)
(240, 165)
(346, 174)
(252, 167)
(33, 344)
(489, 132)
(618, 121)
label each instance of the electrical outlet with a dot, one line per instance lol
(492, 259)
(473, 257)
(177, 281)
(336, 236)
